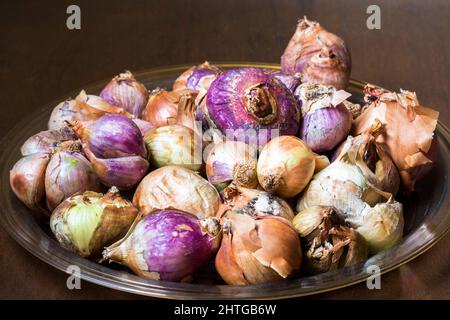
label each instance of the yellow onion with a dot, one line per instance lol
(85, 107)
(327, 243)
(232, 161)
(254, 203)
(87, 222)
(162, 106)
(285, 166)
(408, 134)
(257, 250)
(174, 145)
(173, 187)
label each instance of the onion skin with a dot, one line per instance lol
(254, 203)
(177, 188)
(197, 77)
(84, 223)
(127, 93)
(46, 141)
(232, 161)
(320, 56)
(174, 145)
(114, 136)
(85, 107)
(325, 128)
(27, 179)
(257, 250)
(68, 173)
(167, 245)
(285, 166)
(162, 106)
(144, 126)
(248, 100)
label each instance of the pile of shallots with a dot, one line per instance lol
(270, 173)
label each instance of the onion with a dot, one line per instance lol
(197, 77)
(254, 203)
(326, 121)
(83, 108)
(84, 223)
(289, 80)
(167, 245)
(162, 106)
(285, 166)
(257, 250)
(408, 131)
(177, 188)
(68, 173)
(320, 56)
(174, 145)
(126, 92)
(250, 104)
(144, 126)
(46, 141)
(232, 161)
(116, 149)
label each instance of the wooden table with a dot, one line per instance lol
(40, 59)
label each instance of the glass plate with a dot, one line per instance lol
(426, 213)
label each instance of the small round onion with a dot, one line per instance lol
(116, 149)
(177, 188)
(174, 145)
(253, 103)
(114, 136)
(46, 141)
(197, 77)
(126, 92)
(167, 245)
(320, 56)
(67, 173)
(326, 121)
(285, 166)
(232, 161)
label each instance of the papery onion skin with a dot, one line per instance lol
(27, 179)
(166, 245)
(162, 106)
(68, 173)
(257, 250)
(114, 136)
(126, 92)
(409, 131)
(85, 107)
(46, 141)
(320, 56)
(325, 128)
(177, 188)
(254, 203)
(253, 103)
(285, 166)
(197, 77)
(174, 145)
(84, 223)
(232, 161)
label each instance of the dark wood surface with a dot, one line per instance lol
(40, 60)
